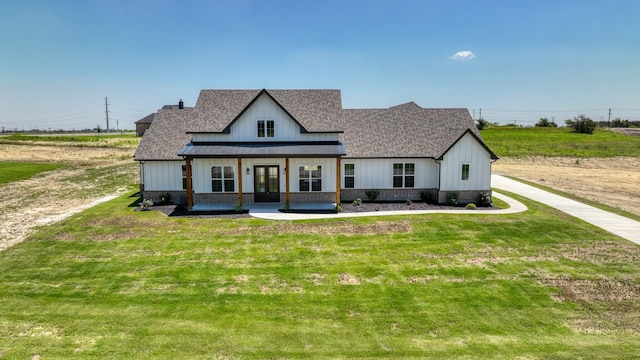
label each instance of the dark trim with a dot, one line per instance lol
(326, 156)
(493, 156)
(227, 130)
(262, 143)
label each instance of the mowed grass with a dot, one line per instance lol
(16, 171)
(533, 141)
(114, 283)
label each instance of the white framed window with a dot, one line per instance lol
(310, 178)
(222, 179)
(349, 176)
(266, 128)
(404, 175)
(184, 177)
(465, 172)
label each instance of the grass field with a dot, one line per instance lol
(114, 283)
(82, 140)
(16, 171)
(532, 141)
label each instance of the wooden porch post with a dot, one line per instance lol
(189, 188)
(240, 182)
(338, 162)
(287, 197)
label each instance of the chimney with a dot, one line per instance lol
(180, 105)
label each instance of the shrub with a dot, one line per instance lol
(165, 199)
(357, 202)
(581, 125)
(338, 208)
(146, 204)
(427, 196)
(372, 194)
(471, 206)
(482, 123)
(484, 198)
(452, 198)
(544, 122)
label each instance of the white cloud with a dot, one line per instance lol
(463, 55)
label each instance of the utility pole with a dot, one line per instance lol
(609, 117)
(106, 111)
(480, 116)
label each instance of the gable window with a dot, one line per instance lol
(222, 179)
(465, 171)
(266, 128)
(310, 178)
(403, 175)
(349, 176)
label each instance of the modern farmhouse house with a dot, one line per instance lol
(238, 147)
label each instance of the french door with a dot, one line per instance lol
(266, 183)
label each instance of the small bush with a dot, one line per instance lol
(581, 125)
(471, 206)
(165, 199)
(484, 198)
(372, 194)
(427, 196)
(357, 202)
(146, 204)
(452, 198)
(544, 122)
(338, 208)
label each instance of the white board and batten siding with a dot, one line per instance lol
(466, 151)
(245, 128)
(162, 175)
(378, 173)
(201, 169)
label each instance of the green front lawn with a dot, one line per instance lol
(16, 171)
(538, 141)
(114, 283)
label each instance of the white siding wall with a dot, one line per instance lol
(466, 151)
(328, 172)
(162, 175)
(245, 129)
(378, 173)
(202, 172)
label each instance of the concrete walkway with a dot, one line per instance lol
(613, 223)
(272, 213)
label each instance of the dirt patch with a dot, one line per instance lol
(55, 195)
(611, 181)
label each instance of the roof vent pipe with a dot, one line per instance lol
(180, 104)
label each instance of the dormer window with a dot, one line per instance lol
(266, 128)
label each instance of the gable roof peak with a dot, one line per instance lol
(406, 106)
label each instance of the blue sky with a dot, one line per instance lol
(524, 59)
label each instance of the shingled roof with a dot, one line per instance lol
(402, 131)
(405, 131)
(314, 110)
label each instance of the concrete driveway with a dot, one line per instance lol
(613, 223)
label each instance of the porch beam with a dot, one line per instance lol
(189, 187)
(287, 196)
(240, 182)
(338, 162)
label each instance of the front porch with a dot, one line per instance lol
(264, 207)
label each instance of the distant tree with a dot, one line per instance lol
(581, 124)
(482, 123)
(544, 122)
(618, 123)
